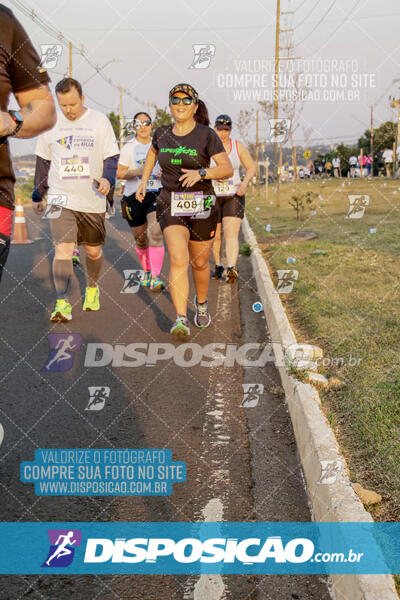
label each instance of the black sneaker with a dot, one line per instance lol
(231, 275)
(218, 272)
(202, 317)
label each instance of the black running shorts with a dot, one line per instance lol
(230, 206)
(201, 230)
(136, 212)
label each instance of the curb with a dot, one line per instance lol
(316, 442)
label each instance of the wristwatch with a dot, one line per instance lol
(16, 117)
(202, 173)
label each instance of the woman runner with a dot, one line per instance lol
(186, 207)
(231, 200)
(141, 216)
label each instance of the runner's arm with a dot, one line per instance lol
(151, 160)
(223, 170)
(41, 185)
(37, 110)
(247, 162)
(249, 165)
(110, 165)
(124, 172)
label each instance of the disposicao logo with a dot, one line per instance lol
(62, 547)
(63, 347)
(190, 550)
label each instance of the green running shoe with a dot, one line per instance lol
(62, 311)
(156, 284)
(92, 301)
(145, 280)
(75, 257)
(181, 326)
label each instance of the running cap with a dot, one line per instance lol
(186, 88)
(223, 122)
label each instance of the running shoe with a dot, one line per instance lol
(231, 275)
(106, 216)
(202, 317)
(75, 257)
(156, 285)
(181, 326)
(112, 211)
(145, 280)
(62, 311)
(92, 300)
(218, 272)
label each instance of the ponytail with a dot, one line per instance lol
(201, 114)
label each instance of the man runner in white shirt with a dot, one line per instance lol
(76, 163)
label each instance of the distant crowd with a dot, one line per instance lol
(356, 166)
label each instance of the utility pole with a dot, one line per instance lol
(396, 104)
(257, 144)
(372, 140)
(70, 60)
(121, 120)
(266, 166)
(276, 82)
(278, 199)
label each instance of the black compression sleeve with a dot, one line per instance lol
(41, 175)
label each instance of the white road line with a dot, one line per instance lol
(209, 587)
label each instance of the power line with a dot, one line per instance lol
(228, 28)
(59, 36)
(318, 24)
(351, 11)
(308, 14)
(99, 103)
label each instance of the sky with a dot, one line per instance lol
(345, 55)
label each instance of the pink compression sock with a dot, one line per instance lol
(156, 255)
(144, 258)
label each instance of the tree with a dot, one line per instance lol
(300, 202)
(162, 118)
(344, 153)
(384, 136)
(244, 122)
(114, 120)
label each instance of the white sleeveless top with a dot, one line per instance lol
(133, 154)
(228, 187)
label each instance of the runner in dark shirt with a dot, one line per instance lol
(21, 75)
(186, 206)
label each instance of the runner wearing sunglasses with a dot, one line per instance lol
(231, 200)
(141, 215)
(186, 207)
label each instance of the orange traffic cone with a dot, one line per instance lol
(20, 235)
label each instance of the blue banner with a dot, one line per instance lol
(195, 548)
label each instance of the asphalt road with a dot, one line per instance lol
(242, 463)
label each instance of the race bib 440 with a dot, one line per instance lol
(75, 167)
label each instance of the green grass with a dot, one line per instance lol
(24, 190)
(348, 303)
